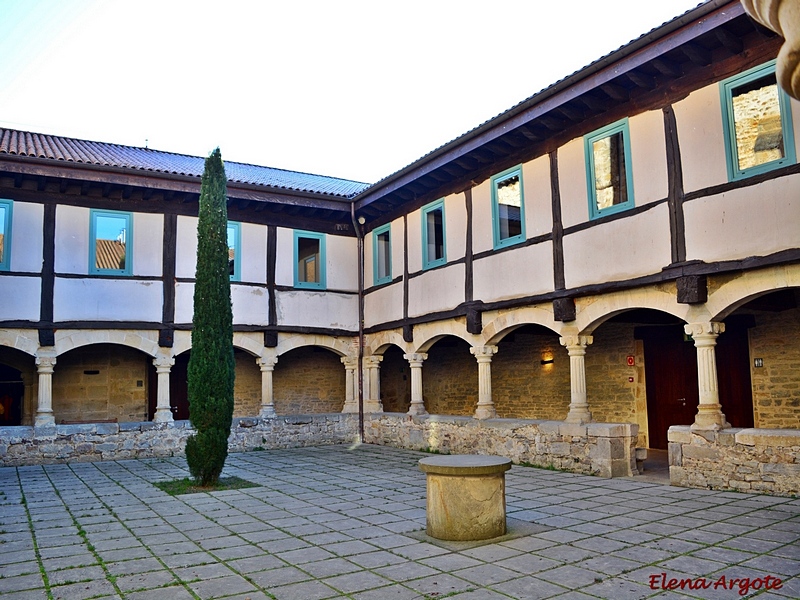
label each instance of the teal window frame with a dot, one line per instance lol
(620, 127)
(5, 229)
(309, 285)
(499, 240)
(235, 230)
(376, 263)
(726, 89)
(427, 261)
(96, 214)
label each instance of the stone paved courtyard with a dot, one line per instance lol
(339, 522)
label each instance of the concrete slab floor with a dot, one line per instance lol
(338, 522)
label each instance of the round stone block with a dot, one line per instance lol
(466, 497)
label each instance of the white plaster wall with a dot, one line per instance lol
(253, 241)
(20, 297)
(186, 255)
(648, 157)
(148, 244)
(455, 228)
(341, 263)
(26, 237)
(699, 119)
(107, 300)
(482, 238)
(305, 308)
(414, 221)
(538, 197)
(521, 272)
(250, 305)
(383, 305)
(284, 267)
(184, 302)
(572, 183)
(441, 289)
(621, 249)
(753, 221)
(72, 240)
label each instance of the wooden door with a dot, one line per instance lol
(733, 372)
(670, 368)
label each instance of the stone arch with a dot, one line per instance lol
(593, 314)
(741, 290)
(131, 339)
(19, 341)
(427, 334)
(380, 342)
(335, 345)
(507, 322)
(243, 341)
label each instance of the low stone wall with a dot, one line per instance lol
(751, 460)
(112, 441)
(604, 449)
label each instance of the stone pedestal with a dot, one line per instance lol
(485, 408)
(267, 366)
(163, 365)
(417, 401)
(578, 404)
(466, 496)
(45, 364)
(709, 410)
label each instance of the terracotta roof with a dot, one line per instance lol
(52, 147)
(109, 254)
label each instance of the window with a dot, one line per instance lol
(433, 251)
(508, 208)
(309, 260)
(6, 207)
(110, 233)
(608, 169)
(757, 123)
(234, 264)
(382, 254)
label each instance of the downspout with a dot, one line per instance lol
(360, 370)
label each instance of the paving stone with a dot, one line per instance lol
(174, 592)
(81, 591)
(137, 565)
(356, 582)
(279, 577)
(406, 571)
(440, 584)
(221, 586)
(392, 592)
(76, 575)
(143, 581)
(21, 582)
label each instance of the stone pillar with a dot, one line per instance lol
(485, 408)
(267, 366)
(351, 385)
(372, 378)
(709, 410)
(578, 402)
(45, 364)
(163, 365)
(417, 402)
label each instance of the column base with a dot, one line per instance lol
(485, 411)
(45, 420)
(417, 409)
(579, 417)
(163, 415)
(350, 407)
(373, 406)
(267, 412)
(710, 419)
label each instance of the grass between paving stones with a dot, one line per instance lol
(176, 487)
(36, 552)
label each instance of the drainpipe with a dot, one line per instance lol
(359, 367)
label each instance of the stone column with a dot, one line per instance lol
(163, 365)
(578, 403)
(417, 402)
(709, 410)
(45, 364)
(351, 385)
(267, 366)
(782, 17)
(485, 408)
(372, 396)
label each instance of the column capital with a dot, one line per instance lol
(483, 353)
(162, 361)
(707, 329)
(416, 358)
(373, 360)
(45, 361)
(267, 363)
(349, 362)
(575, 341)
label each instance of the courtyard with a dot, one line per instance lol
(349, 522)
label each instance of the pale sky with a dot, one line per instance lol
(344, 88)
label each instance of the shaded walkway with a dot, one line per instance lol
(330, 522)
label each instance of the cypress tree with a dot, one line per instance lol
(211, 365)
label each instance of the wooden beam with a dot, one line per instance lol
(616, 91)
(668, 67)
(731, 42)
(697, 54)
(642, 80)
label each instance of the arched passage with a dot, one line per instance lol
(450, 378)
(17, 387)
(307, 380)
(395, 381)
(101, 382)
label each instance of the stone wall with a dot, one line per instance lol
(604, 449)
(749, 460)
(776, 385)
(308, 380)
(247, 386)
(101, 382)
(450, 378)
(395, 381)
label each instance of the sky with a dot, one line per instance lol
(343, 88)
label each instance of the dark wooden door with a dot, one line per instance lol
(733, 372)
(670, 365)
